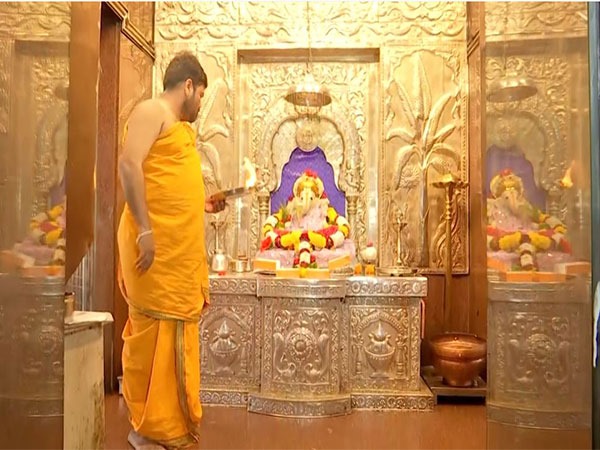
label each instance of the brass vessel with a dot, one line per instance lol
(458, 357)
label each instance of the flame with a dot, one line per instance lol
(566, 181)
(249, 173)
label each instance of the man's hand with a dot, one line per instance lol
(215, 203)
(145, 253)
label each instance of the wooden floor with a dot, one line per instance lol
(447, 427)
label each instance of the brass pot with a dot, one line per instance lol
(458, 357)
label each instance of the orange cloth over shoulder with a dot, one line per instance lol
(176, 285)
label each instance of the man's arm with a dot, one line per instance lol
(144, 126)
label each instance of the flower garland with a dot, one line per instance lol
(277, 234)
(46, 231)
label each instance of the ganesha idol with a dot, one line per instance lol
(43, 246)
(519, 235)
(307, 232)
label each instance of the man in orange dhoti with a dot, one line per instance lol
(163, 260)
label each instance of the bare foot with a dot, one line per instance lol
(139, 442)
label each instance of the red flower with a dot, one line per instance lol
(266, 244)
(323, 195)
(565, 246)
(329, 243)
(47, 226)
(506, 172)
(310, 173)
(493, 231)
(327, 232)
(290, 198)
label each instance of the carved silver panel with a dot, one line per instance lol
(539, 342)
(301, 288)
(301, 346)
(290, 407)
(380, 286)
(240, 285)
(573, 291)
(32, 349)
(291, 347)
(384, 351)
(230, 343)
(421, 400)
(223, 398)
(559, 420)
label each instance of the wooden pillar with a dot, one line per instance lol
(106, 178)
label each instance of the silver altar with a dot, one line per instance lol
(313, 348)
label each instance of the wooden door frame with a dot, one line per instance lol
(104, 267)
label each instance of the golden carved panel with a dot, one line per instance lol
(5, 64)
(135, 83)
(35, 20)
(345, 23)
(529, 19)
(424, 138)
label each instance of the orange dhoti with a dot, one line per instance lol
(161, 373)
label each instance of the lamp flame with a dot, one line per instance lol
(249, 173)
(566, 181)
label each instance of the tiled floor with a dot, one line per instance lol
(447, 427)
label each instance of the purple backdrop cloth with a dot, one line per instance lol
(299, 162)
(499, 159)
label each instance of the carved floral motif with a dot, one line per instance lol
(535, 18)
(30, 19)
(260, 22)
(301, 348)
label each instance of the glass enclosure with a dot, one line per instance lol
(536, 179)
(34, 131)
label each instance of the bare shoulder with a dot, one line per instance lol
(148, 109)
(147, 117)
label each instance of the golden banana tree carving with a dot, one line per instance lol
(422, 140)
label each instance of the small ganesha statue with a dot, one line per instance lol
(518, 233)
(307, 232)
(45, 243)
